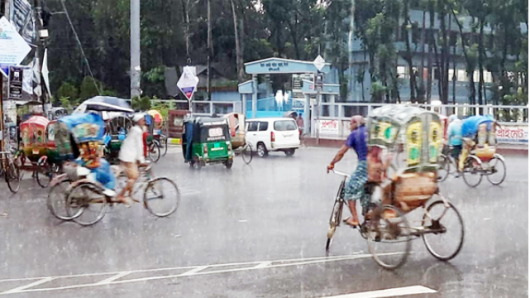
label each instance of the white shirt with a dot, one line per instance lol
(132, 148)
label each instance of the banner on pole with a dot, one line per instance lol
(188, 81)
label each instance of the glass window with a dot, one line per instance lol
(263, 126)
(253, 126)
(461, 75)
(284, 125)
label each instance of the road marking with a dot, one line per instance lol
(113, 278)
(262, 265)
(22, 288)
(193, 271)
(413, 290)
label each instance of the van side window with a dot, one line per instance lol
(253, 126)
(263, 126)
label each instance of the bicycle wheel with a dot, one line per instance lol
(336, 215)
(163, 144)
(389, 239)
(45, 173)
(57, 199)
(446, 229)
(154, 151)
(444, 164)
(13, 176)
(161, 197)
(246, 154)
(497, 172)
(472, 176)
(86, 204)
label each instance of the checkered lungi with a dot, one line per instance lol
(355, 186)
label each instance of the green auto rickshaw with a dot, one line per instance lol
(206, 140)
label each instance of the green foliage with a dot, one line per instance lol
(66, 103)
(378, 92)
(88, 88)
(141, 104)
(68, 90)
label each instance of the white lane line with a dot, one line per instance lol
(193, 271)
(113, 278)
(395, 292)
(177, 268)
(22, 288)
(196, 273)
(262, 265)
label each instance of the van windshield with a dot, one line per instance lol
(284, 125)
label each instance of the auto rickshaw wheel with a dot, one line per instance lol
(228, 164)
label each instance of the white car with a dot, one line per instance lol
(272, 134)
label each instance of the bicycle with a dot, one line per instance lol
(447, 164)
(11, 171)
(86, 194)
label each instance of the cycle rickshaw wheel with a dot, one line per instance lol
(443, 217)
(472, 177)
(154, 151)
(246, 154)
(86, 204)
(57, 199)
(161, 197)
(497, 166)
(13, 176)
(444, 168)
(45, 174)
(389, 238)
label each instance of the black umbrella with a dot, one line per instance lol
(104, 104)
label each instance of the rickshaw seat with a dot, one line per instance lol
(412, 190)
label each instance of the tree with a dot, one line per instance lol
(88, 88)
(68, 91)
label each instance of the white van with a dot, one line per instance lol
(272, 134)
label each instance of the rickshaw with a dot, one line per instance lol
(237, 133)
(483, 160)
(87, 188)
(33, 154)
(117, 126)
(394, 191)
(156, 129)
(153, 146)
(207, 141)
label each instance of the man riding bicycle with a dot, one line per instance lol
(454, 136)
(354, 189)
(470, 128)
(132, 155)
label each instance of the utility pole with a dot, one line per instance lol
(38, 24)
(135, 49)
(210, 51)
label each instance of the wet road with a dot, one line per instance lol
(257, 231)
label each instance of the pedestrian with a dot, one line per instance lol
(300, 123)
(454, 137)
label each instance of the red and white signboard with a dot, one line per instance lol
(515, 134)
(328, 127)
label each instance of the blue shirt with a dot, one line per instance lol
(470, 125)
(455, 133)
(357, 141)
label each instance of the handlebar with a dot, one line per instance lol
(340, 173)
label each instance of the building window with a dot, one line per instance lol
(403, 72)
(461, 75)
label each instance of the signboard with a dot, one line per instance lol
(22, 19)
(515, 134)
(16, 75)
(298, 81)
(188, 81)
(273, 66)
(319, 63)
(13, 48)
(328, 127)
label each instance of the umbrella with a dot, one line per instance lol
(156, 115)
(104, 104)
(291, 114)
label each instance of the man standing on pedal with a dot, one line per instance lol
(354, 189)
(132, 155)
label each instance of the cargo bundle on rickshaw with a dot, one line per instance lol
(206, 140)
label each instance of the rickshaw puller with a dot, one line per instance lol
(455, 136)
(470, 128)
(354, 189)
(132, 153)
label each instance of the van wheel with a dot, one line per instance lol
(262, 150)
(289, 152)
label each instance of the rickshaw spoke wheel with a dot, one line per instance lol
(154, 151)
(246, 154)
(45, 174)
(57, 199)
(389, 238)
(163, 143)
(472, 176)
(161, 197)
(334, 221)
(13, 176)
(86, 204)
(497, 172)
(444, 167)
(444, 230)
